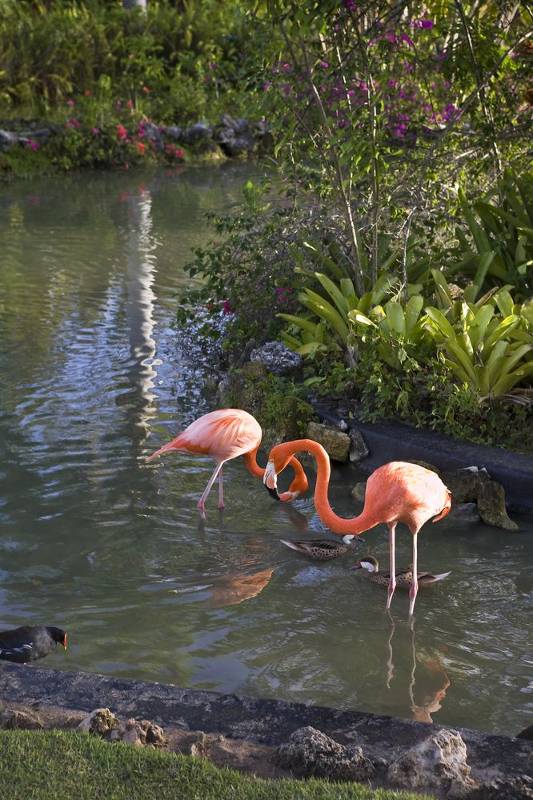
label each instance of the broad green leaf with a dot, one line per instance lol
(334, 292)
(412, 312)
(395, 317)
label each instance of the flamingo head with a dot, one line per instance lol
(369, 563)
(270, 479)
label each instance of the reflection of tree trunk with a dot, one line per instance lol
(139, 313)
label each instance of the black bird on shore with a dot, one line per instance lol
(30, 643)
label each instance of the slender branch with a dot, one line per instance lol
(481, 88)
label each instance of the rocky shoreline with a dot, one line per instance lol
(271, 738)
(485, 481)
(138, 140)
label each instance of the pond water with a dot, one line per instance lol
(97, 541)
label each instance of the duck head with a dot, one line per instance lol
(369, 563)
(58, 636)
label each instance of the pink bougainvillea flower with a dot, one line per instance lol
(95, 131)
(122, 133)
(33, 145)
(226, 307)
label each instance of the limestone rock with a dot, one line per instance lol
(199, 132)
(100, 722)
(527, 733)
(7, 139)
(439, 762)
(466, 512)
(277, 358)
(464, 484)
(358, 491)
(491, 506)
(234, 136)
(141, 733)
(335, 442)
(309, 752)
(519, 787)
(174, 131)
(11, 719)
(358, 448)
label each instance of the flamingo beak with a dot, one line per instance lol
(270, 479)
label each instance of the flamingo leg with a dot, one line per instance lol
(392, 562)
(212, 479)
(413, 591)
(220, 490)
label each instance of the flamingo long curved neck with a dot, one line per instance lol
(250, 459)
(340, 525)
(299, 483)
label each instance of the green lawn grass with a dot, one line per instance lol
(62, 765)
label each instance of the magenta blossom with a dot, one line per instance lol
(323, 64)
(407, 39)
(95, 131)
(226, 307)
(33, 145)
(282, 293)
(350, 5)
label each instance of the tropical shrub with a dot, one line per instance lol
(495, 239)
(484, 349)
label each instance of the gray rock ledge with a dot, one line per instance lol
(268, 722)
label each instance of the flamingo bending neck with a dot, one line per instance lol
(299, 483)
(280, 455)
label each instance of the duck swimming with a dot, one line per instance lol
(321, 549)
(404, 577)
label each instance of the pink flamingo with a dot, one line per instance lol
(395, 492)
(226, 434)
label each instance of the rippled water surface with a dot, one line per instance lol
(95, 540)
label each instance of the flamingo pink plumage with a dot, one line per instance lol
(226, 434)
(396, 492)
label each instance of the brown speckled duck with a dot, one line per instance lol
(321, 549)
(404, 577)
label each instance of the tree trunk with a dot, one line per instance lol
(129, 4)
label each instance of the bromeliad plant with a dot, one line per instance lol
(398, 330)
(497, 245)
(487, 346)
(334, 309)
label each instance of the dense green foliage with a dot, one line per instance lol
(399, 261)
(59, 765)
(172, 63)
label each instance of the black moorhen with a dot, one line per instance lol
(30, 643)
